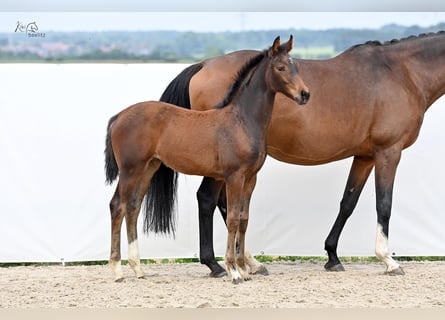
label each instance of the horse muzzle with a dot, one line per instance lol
(303, 97)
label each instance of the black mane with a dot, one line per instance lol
(393, 41)
(239, 78)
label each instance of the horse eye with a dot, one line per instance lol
(281, 68)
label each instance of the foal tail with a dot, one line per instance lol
(160, 199)
(111, 168)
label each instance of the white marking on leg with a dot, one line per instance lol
(236, 276)
(134, 259)
(232, 272)
(382, 250)
(117, 270)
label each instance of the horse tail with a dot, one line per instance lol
(160, 198)
(177, 92)
(111, 168)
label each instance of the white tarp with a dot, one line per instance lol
(54, 202)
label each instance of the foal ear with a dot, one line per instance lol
(290, 44)
(275, 47)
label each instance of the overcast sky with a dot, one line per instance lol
(213, 21)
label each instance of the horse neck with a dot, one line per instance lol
(255, 100)
(424, 61)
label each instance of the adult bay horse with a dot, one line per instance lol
(227, 143)
(368, 103)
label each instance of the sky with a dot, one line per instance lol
(213, 21)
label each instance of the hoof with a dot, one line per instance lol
(118, 280)
(218, 274)
(261, 270)
(396, 272)
(216, 271)
(142, 277)
(336, 267)
(237, 280)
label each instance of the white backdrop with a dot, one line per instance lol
(54, 202)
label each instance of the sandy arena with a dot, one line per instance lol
(289, 285)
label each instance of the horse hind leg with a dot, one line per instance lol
(358, 175)
(207, 196)
(386, 166)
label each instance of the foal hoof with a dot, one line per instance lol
(119, 280)
(336, 267)
(261, 270)
(396, 272)
(237, 280)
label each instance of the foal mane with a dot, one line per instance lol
(393, 41)
(239, 78)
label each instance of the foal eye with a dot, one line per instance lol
(281, 68)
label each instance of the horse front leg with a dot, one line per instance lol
(385, 171)
(207, 195)
(358, 175)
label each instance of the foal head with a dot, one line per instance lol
(283, 74)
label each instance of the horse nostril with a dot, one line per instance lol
(305, 95)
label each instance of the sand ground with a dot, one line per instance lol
(294, 285)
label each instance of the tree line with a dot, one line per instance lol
(175, 46)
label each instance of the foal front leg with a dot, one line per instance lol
(234, 190)
(255, 267)
(244, 220)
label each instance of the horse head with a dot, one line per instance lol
(284, 72)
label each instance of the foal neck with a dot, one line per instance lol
(254, 101)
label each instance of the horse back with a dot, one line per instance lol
(211, 84)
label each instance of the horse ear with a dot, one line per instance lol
(290, 44)
(275, 47)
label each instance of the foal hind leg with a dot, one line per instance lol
(385, 171)
(117, 216)
(358, 175)
(142, 183)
